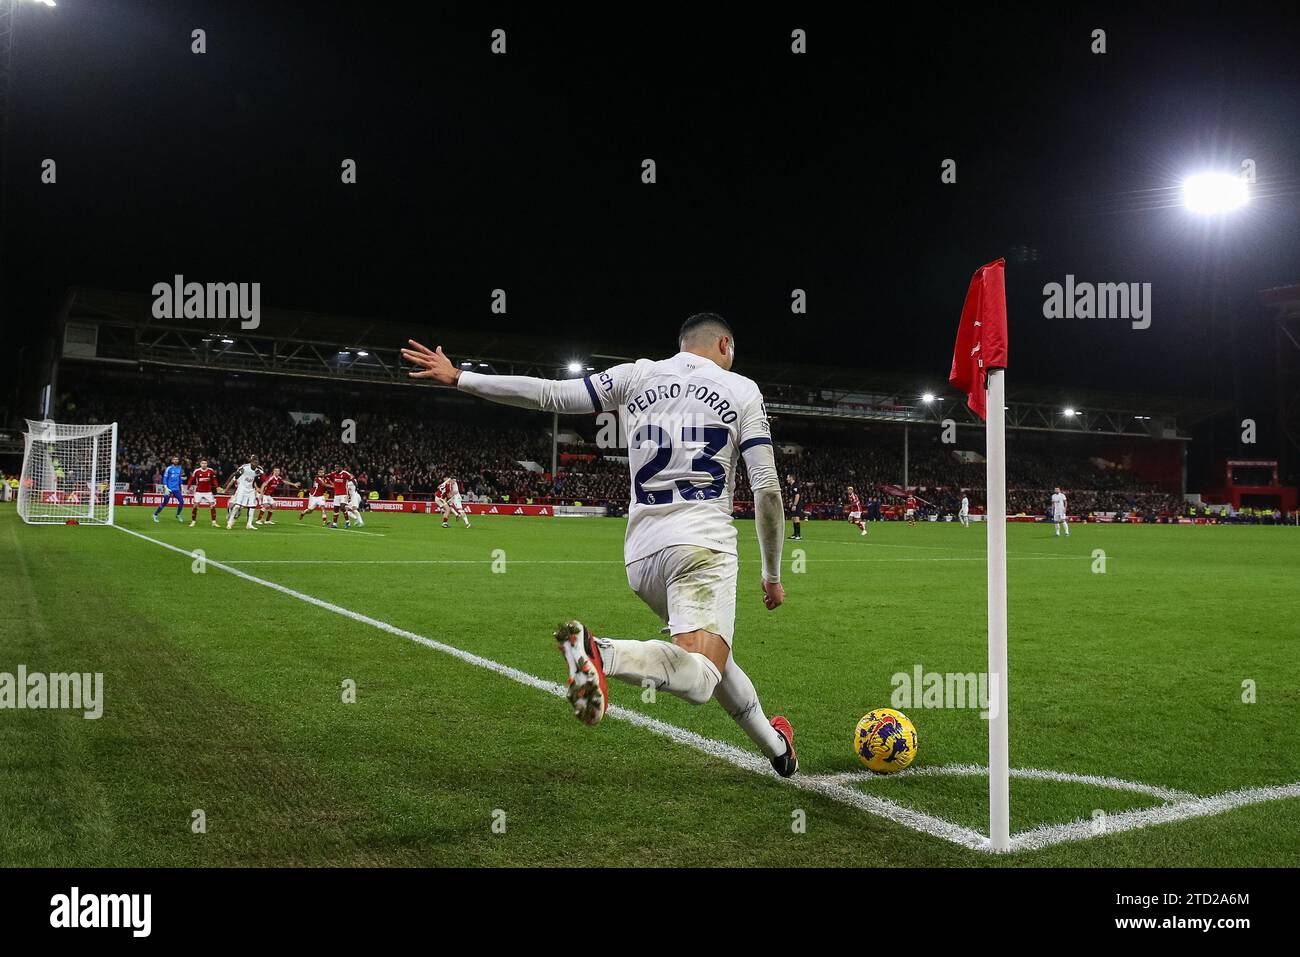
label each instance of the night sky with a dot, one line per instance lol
(775, 171)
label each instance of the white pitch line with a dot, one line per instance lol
(1049, 834)
(349, 531)
(419, 561)
(597, 561)
(279, 529)
(1028, 774)
(871, 543)
(829, 786)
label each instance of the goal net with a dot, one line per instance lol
(68, 473)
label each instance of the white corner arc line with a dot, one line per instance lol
(833, 786)
(1029, 774)
(1045, 836)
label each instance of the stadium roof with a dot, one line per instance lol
(320, 345)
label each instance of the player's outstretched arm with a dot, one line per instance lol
(769, 522)
(433, 364)
(769, 518)
(569, 396)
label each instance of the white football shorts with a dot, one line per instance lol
(316, 501)
(244, 499)
(689, 587)
(855, 516)
(204, 498)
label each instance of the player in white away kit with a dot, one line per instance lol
(248, 490)
(354, 502)
(1058, 512)
(963, 513)
(447, 498)
(689, 420)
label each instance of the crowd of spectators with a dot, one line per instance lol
(396, 452)
(392, 453)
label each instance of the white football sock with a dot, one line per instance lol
(736, 694)
(687, 674)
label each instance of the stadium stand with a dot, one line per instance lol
(406, 441)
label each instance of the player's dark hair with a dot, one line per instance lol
(704, 321)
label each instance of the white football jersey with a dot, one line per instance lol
(686, 421)
(965, 504)
(1058, 503)
(246, 476)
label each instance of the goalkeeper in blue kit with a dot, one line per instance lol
(173, 477)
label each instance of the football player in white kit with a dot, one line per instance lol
(354, 502)
(248, 490)
(447, 498)
(689, 421)
(1058, 512)
(963, 513)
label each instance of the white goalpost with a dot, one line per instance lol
(68, 473)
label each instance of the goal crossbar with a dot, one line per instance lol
(68, 473)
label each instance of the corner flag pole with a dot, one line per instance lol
(996, 514)
(979, 365)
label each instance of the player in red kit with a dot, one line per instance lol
(318, 497)
(910, 514)
(339, 480)
(269, 486)
(855, 510)
(204, 482)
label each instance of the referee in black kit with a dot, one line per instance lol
(794, 498)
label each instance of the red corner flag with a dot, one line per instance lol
(982, 335)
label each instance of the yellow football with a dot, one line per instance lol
(885, 741)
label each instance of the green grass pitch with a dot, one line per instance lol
(225, 696)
